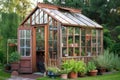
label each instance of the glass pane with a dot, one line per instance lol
(83, 51)
(70, 30)
(89, 51)
(64, 52)
(70, 51)
(89, 43)
(64, 39)
(22, 34)
(27, 33)
(22, 42)
(27, 42)
(70, 41)
(22, 51)
(77, 41)
(83, 32)
(77, 31)
(77, 51)
(55, 45)
(64, 30)
(27, 51)
(83, 41)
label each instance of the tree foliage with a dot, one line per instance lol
(11, 14)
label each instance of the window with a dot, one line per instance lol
(25, 36)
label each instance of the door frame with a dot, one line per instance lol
(34, 65)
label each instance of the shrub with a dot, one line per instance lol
(91, 66)
(14, 57)
(108, 60)
(82, 67)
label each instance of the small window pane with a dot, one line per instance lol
(22, 42)
(27, 51)
(27, 42)
(27, 33)
(22, 51)
(22, 34)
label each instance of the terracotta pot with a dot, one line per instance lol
(74, 54)
(12, 45)
(73, 75)
(71, 45)
(93, 72)
(64, 76)
(75, 44)
(15, 66)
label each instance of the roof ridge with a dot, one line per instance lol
(53, 6)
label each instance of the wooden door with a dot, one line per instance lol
(25, 49)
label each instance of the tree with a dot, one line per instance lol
(21, 7)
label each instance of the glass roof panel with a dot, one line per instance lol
(75, 19)
(89, 20)
(56, 16)
(83, 20)
(64, 17)
(71, 18)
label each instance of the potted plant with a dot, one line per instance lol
(14, 59)
(65, 52)
(91, 68)
(65, 69)
(52, 72)
(82, 69)
(74, 69)
(12, 42)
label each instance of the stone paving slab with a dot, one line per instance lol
(20, 78)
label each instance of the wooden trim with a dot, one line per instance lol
(34, 68)
(50, 6)
(59, 41)
(46, 46)
(81, 26)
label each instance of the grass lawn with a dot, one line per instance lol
(114, 76)
(3, 75)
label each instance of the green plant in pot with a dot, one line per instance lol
(82, 68)
(14, 59)
(52, 72)
(91, 68)
(74, 68)
(12, 42)
(65, 69)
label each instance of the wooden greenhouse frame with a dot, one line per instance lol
(59, 33)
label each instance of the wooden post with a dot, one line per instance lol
(46, 45)
(34, 49)
(59, 42)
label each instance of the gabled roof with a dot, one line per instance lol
(66, 16)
